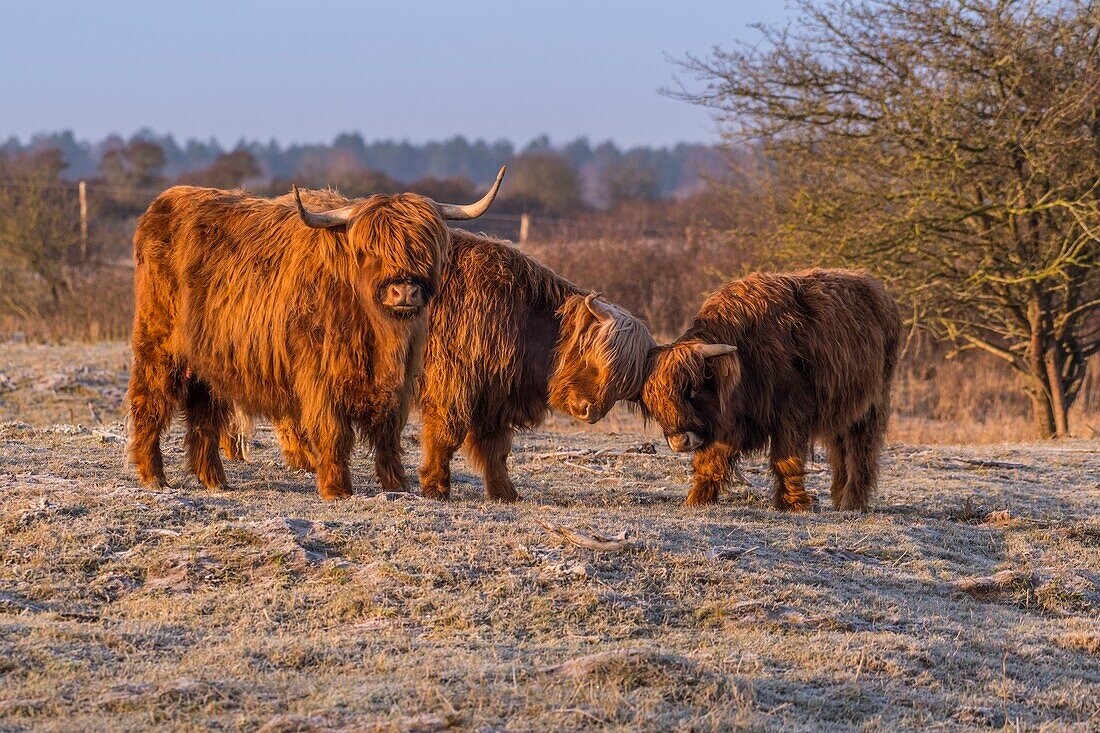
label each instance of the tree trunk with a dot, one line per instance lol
(1059, 405)
(1038, 348)
(1042, 410)
(1049, 402)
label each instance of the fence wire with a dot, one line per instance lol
(562, 227)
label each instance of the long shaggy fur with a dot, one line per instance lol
(816, 354)
(507, 341)
(239, 303)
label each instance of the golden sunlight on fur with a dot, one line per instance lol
(239, 303)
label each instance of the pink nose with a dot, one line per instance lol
(404, 295)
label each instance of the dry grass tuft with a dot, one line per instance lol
(1082, 641)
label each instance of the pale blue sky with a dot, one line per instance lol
(304, 71)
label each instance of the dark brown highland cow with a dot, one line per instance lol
(312, 317)
(782, 360)
(507, 340)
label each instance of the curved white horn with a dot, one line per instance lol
(322, 220)
(598, 309)
(708, 351)
(455, 212)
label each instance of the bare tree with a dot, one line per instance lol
(630, 179)
(544, 183)
(229, 170)
(39, 221)
(137, 165)
(951, 146)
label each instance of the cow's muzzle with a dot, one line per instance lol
(404, 297)
(585, 410)
(683, 442)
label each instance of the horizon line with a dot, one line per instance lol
(148, 132)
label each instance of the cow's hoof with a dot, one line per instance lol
(436, 492)
(703, 495)
(503, 494)
(805, 503)
(335, 494)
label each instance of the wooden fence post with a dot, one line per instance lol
(83, 189)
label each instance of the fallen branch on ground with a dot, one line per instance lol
(590, 469)
(997, 581)
(598, 543)
(976, 463)
(723, 552)
(565, 453)
(587, 453)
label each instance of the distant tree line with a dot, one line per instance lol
(64, 273)
(602, 174)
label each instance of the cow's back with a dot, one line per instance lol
(851, 338)
(815, 345)
(492, 330)
(247, 295)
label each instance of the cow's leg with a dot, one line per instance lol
(488, 451)
(235, 445)
(297, 451)
(152, 396)
(235, 436)
(207, 419)
(332, 438)
(440, 437)
(788, 464)
(838, 461)
(386, 438)
(863, 446)
(711, 467)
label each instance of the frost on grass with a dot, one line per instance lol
(967, 598)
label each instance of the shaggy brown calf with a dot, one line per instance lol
(507, 340)
(782, 359)
(312, 317)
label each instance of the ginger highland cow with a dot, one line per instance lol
(781, 360)
(507, 341)
(318, 318)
